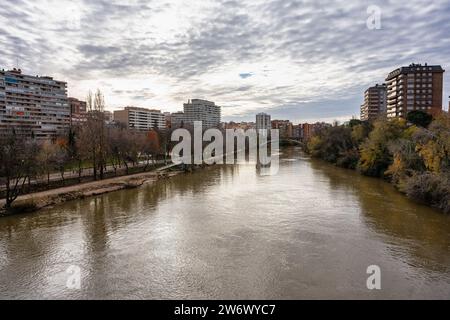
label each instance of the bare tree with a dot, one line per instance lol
(114, 147)
(74, 149)
(47, 159)
(92, 136)
(61, 157)
(149, 146)
(17, 160)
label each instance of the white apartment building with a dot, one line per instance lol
(36, 106)
(202, 110)
(140, 118)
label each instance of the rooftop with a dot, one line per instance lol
(413, 67)
(141, 109)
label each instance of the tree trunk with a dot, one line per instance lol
(8, 203)
(94, 163)
(79, 171)
(126, 166)
(8, 194)
(101, 170)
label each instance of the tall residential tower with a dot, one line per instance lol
(375, 101)
(202, 110)
(263, 121)
(34, 105)
(416, 87)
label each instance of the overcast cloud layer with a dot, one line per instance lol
(301, 60)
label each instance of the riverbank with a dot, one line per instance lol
(422, 192)
(414, 158)
(37, 201)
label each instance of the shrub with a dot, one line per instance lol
(430, 188)
(419, 118)
(375, 155)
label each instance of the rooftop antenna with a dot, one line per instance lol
(17, 63)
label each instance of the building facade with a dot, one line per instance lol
(37, 106)
(297, 132)
(168, 119)
(78, 111)
(238, 125)
(285, 127)
(108, 116)
(202, 110)
(140, 118)
(177, 120)
(263, 121)
(307, 131)
(415, 87)
(375, 103)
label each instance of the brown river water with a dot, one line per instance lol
(226, 232)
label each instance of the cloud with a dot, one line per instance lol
(309, 59)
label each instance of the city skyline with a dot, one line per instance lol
(299, 62)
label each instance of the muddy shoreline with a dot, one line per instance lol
(36, 201)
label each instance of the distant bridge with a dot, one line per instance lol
(172, 165)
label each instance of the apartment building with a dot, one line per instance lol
(416, 87)
(375, 103)
(177, 120)
(108, 116)
(238, 125)
(308, 129)
(34, 105)
(285, 127)
(297, 132)
(202, 110)
(263, 121)
(78, 111)
(140, 118)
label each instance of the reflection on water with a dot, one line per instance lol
(310, 231)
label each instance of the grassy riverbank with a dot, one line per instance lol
(70, 178)
(39, 200)
(413, 157)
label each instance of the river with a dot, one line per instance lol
(226, 232)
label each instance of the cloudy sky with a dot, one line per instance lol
(302, 60)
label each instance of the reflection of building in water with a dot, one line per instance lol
(263, 170)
